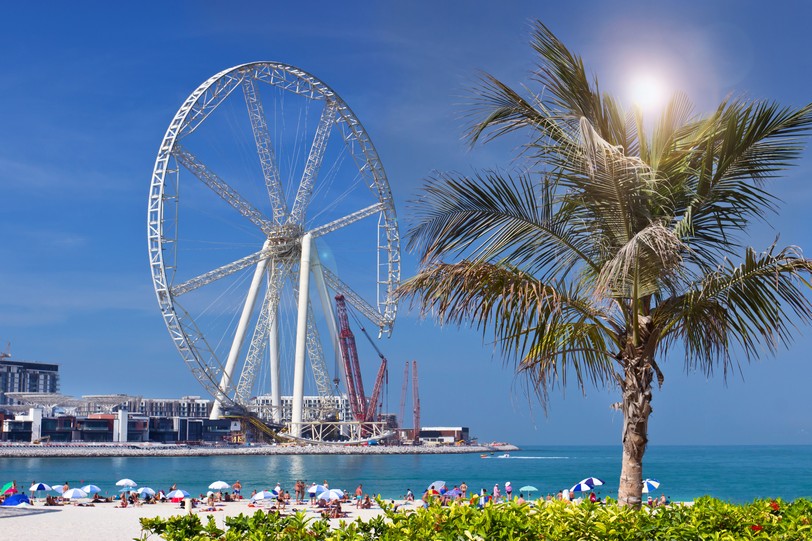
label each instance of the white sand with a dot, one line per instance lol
(105, 521)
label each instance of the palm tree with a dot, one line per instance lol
(613, 248)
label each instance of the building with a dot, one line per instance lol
(444, 434)
(26, 377)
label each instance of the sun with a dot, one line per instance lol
(647, 92)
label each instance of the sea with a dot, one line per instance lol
(732, 473)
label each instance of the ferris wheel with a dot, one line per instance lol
(268, 199)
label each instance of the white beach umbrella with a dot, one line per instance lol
(91, 489)
(57, 488)
(437, 485)
(145, 491)
(72, 493)
(126, 483)
(332, 494)
(317, 489)
(219, 485)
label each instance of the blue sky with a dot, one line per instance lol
(88, 89)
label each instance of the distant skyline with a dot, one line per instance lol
(88, 89)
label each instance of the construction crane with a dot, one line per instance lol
(402, 416)
(362, 410)
(415, 404)
(352, 369)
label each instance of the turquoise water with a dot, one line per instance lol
(733, 473)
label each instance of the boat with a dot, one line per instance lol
(506, 455)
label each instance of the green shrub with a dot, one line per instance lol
(706, 519)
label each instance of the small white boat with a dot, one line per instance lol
(506, 455)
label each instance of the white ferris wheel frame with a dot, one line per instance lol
(284, 231)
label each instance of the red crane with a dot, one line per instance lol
(362, 410)
(349, 354)
(402, 416)
(415, 404)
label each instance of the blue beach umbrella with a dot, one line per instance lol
(91, 489)
(318, 489)
(146, 491)
(36, 487)
(587, 484)
(453, 493)
(437, 485)
(528, 488)
(177, 494)
(649, 485)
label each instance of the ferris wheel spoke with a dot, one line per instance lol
(221, 188)
(267, 159)
(221, 272)
(347, 220)
(356, 300)
(314, 159)
(262, 331)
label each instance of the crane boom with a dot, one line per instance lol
(402, 417)
(416, 404)
(376, 391)
(352, 369)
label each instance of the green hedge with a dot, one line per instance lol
(707, 519)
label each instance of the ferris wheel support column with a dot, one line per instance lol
(301, 338)
(239, 336)
(273, 343)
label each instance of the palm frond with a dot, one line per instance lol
(497, 216)
(755, 305)
(530, 320)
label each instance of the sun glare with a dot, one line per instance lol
(647, 92)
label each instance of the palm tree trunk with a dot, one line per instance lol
(636, 389)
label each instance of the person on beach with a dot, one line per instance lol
(496, 493)
(464, 489)
(312, 492)
(520, 499)
(237, 486)
(409, 495)
(508, 490)
(359, 492)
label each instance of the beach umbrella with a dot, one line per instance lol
(453, 493)
(57, 488)
(17, 499)
(36, 487)
(74, 493)
(332, 494)
(437, 485)
(318, 489)
(587, 484)
(649, 485)
(8, 488)
(177, 494)
(219, 485)
(264, 495)
(91, 489)
(145, 491)
(528, 488)
(126, 483)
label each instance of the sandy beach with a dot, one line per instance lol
(105, 521)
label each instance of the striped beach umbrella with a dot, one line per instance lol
(73, 493)
(91, 489)
(649, 485)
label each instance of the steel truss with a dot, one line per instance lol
(284, 257)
